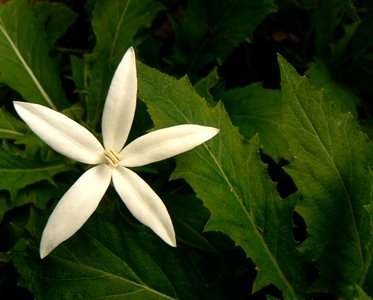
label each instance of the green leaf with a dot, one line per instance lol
(325, 18)
(109, 259)
(189, 218)
(17, 172)
(330, 169)
(367, 286)
(204, 86)
(24, 62)
(115, 24)
(361, 295)
(230, 179)
(38, 195)
(11, 127)
(342, 96)
(360, 43)
(57, 17)
(78, 73)
(355, 65)
(211, 29)
(257, 110)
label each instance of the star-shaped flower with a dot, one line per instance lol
(112, 161)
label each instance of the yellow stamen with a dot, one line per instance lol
(112, 158)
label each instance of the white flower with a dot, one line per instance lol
(112, 161)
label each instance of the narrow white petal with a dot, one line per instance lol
(164, 143)
(61, 133)
(120, 103)
(75, 207)
(144, 203)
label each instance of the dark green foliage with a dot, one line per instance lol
(299, 226)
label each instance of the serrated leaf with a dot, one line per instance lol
(211, 29)
(17, 172)
(106, 259)
(257, 110)
(25, 64)
(115, 24)
(230, 179)
(330, 169)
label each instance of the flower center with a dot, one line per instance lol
(112, 158)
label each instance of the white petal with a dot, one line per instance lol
(144, 203)
(164, 143)
(61, 133)
(75, 207)
(120, 103)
